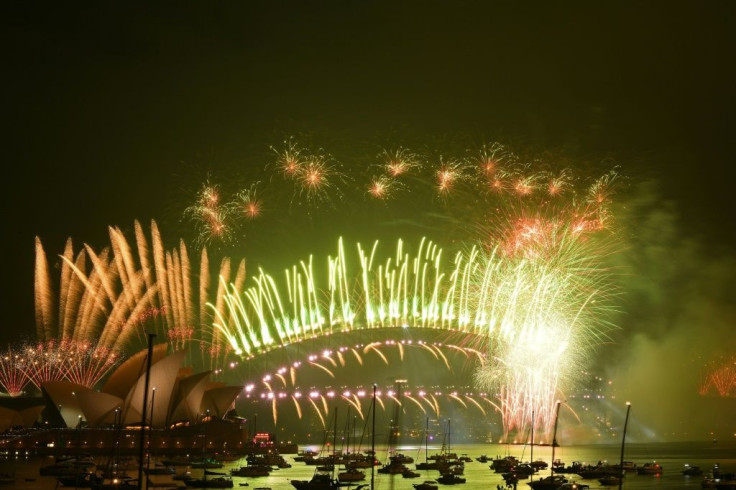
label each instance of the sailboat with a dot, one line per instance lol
(552, 481)
(617, 478)
(321, 480)
(426, 465)
(449, 466)
(204, 482)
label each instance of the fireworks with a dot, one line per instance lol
(448, 175)
(79, 362)
(108, 301)
(210, 215)
(527, 273)
(316, 175)
(382, 187)
(12, 379)
(399, 162)
(535, 318)
(248, 204)
(720, 376)
(289, 159)
(524, 281)
(281, 385)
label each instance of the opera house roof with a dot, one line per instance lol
(176, 395)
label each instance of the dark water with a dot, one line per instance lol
(672, 457)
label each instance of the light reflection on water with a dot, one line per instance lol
(672, 457)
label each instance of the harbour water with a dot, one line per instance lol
(672, 457)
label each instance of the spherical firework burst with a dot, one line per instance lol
(247, 203)
(382, 188)
(399, 162)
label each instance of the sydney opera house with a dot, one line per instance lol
(185, 411)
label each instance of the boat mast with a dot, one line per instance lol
(554, 439)
(334, 444)
(373, 437)
(531, 452)
(143, 409)
(449, 438)
(623, 440)
(426, 442)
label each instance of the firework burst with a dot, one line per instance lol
(247, 204)
(108, 301)
(399, 162)
(12, 379)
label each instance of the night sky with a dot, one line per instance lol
(114, 111)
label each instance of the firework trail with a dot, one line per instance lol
(720, 376)
(535, 314)
(81, 363)
(12, 379)
(109, 300)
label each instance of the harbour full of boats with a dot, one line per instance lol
(403, 469)
(315, 469)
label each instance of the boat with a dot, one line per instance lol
(692, 470)
(610, 480)
(255, 470)
(450, 479)
(510, 478)
(523, 470)
(305, 454)
(426, 485)
(574, 468)
(482, 458)
(63, 469)
(392, 468)
(410, 474)
(551, 482)
(726, 483)
(503, 465)
(320, 481)
(350, 474)
(401, 458)
(217, 482)
(599, 471)
(85, 480)
(443, 459)
(185, 475)
(652, 468)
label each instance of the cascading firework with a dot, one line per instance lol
(537, 314)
